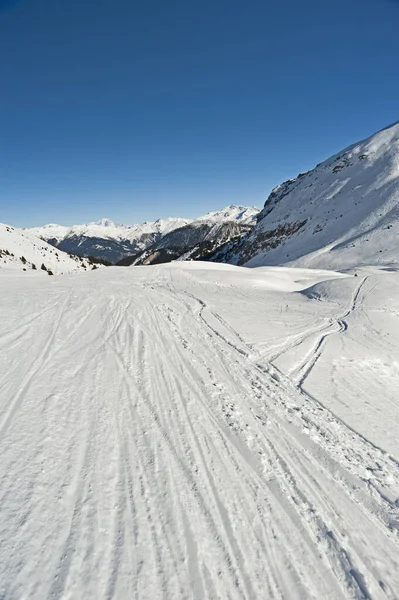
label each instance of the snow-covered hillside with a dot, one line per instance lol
(199, 431)
(342, 214)
(23, 251)
(108, 240)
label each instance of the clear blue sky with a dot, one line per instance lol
(137, 110)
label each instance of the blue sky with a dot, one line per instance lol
(138, 110)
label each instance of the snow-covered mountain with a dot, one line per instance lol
(197, 241)
(105, 238)
(23, 251)
(107, 229)
(200, 239)
(245, 215)
(342, 214)
(112, 241)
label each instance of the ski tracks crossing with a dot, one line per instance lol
(148, 455)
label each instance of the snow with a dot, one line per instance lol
(196, 430)
(348, 209)
(23, 251)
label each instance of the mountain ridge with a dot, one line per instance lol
(341, 214)
(109, 240)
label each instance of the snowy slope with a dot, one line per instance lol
(23, 251)
(167, 433)
(343, 213)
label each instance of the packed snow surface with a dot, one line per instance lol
(199, 431)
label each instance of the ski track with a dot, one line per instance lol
(338, 325)
(147, 454)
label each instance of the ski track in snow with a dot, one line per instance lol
(147, 454)
(338, 325)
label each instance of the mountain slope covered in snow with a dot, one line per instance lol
(342, 214)
(23, 251)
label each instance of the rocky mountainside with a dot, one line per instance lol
(197, 241)
(343, 213)
(110, 241)
(23, 251)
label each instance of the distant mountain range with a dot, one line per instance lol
(113, 242)
(342, 214)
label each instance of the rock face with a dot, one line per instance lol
(113, 242)
(341, 214)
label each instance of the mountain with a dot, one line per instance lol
(23, 251)
(197, 241)
(246, 215)
(342, 214)
(111, 241)
(106, 239)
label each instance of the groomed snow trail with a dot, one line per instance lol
(146, 454)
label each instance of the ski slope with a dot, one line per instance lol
(171, 432)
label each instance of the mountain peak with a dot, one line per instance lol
(238, 214)
(104, 222)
